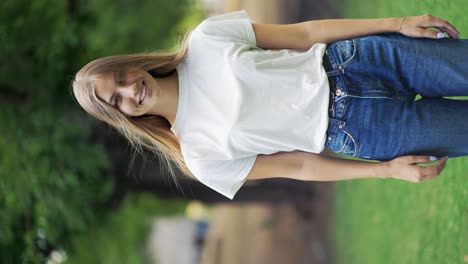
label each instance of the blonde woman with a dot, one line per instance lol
(242, 100)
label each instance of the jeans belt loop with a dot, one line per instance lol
(341, 124)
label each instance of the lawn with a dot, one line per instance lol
(390, 221)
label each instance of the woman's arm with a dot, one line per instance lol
(314, 167)
(304, 35)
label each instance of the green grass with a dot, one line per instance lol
(390, 221)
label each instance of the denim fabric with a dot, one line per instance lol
(373, 84)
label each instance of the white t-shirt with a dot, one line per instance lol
(237, 101)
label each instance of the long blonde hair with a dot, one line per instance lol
(151, 132)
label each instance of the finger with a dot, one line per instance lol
(441, 164)
(446, 27)
(427, 33)
(421, 159)
(443, 25)
(451, 34)
(433, 171)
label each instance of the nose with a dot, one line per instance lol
(130, 91)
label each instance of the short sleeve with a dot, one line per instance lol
(232, 27)
(223, 176)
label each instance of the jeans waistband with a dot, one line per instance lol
(336, 104)
(331, 67)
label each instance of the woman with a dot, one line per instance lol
(242, 100)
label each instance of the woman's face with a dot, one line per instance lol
(134, 92)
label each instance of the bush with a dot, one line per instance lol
(53, 176)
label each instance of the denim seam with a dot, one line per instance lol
(344, 109)
(343, 50)
(334, 65)
(356, 144)
(377, 97)
(341, 150)
(352, 57)
(395, 92)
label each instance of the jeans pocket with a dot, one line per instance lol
(341, 141)
(346, 50)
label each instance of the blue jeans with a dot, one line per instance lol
(373, 84)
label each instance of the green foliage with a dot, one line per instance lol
(119, 237)
(389, 221)
(50, 179)
(133, 26)
(34, 38)
(53, 177)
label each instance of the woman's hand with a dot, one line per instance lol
(407, 168)
(418, 27)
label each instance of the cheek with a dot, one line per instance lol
(127, 109)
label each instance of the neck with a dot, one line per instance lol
(167, 107)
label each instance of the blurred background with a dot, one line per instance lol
(68, 194)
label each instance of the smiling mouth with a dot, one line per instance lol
(144, 92)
